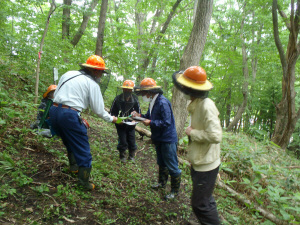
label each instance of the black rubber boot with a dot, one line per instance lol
(163, 175)
(83, 179)
(72, 161)
(175, 185)
(122, 156)
(131, 155)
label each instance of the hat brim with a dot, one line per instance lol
(156, 89)
(207, 86)
(126, 87)
(93, 67)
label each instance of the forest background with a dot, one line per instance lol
(249, 52)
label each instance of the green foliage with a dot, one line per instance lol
(263, 173)
(6, 162)
(257, 168)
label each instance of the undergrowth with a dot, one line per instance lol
(36, 187)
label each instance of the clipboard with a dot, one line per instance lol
(137, 118)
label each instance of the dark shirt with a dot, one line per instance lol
(122, 108)
(162, 121)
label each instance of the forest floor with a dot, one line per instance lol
(44, 192)
(37, 188)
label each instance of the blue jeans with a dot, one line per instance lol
(66, 123)
(167, 157)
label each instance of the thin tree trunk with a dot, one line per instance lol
(242, 108)
(228, 107)
(66, 19)
(51, 10)
(139, 19)
(101, 27)
(191, 57)
(163, 31)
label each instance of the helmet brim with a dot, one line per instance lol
(189, 89)
(126, 87)
(153, 90)
(93, 67)
(181, 80)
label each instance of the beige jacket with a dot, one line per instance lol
(205, 138)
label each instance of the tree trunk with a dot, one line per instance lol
(51, 10)
(101, 27)
(228, 107)
(139, 19)
(191, 57)
(242, 108)
(66, 19)
(286, 115)
(84, 23)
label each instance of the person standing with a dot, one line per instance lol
(205, 135)
(78, 90)
(123, 105)
(160, 118)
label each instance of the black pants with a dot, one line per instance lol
(203, 203)
(126, 135)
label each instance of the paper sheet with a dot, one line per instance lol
(130, 123)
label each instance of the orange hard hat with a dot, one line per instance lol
(95, 62)
(128, 84)
(196, 74)
(148, 83)
(193, 77)
(49, 89)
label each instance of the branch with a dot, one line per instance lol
(166, 24)
(143, 132)
(84, 23)
(285, 18)
(276, 35)
(160, 35)
(155, 18)
(298, 114)
(292, 167)
(297, 22)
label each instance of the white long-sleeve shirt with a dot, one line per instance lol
(80, 93)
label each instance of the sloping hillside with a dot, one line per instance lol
(36, 187)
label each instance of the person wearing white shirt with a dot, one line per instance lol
(78, 90)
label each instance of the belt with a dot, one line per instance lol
(65, 106)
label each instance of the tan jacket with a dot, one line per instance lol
(205, 138)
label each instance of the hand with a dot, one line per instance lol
(114, 119)
(146, 122)
(188, 131)
(135, 113)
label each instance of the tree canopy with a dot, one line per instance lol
(148, 39)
